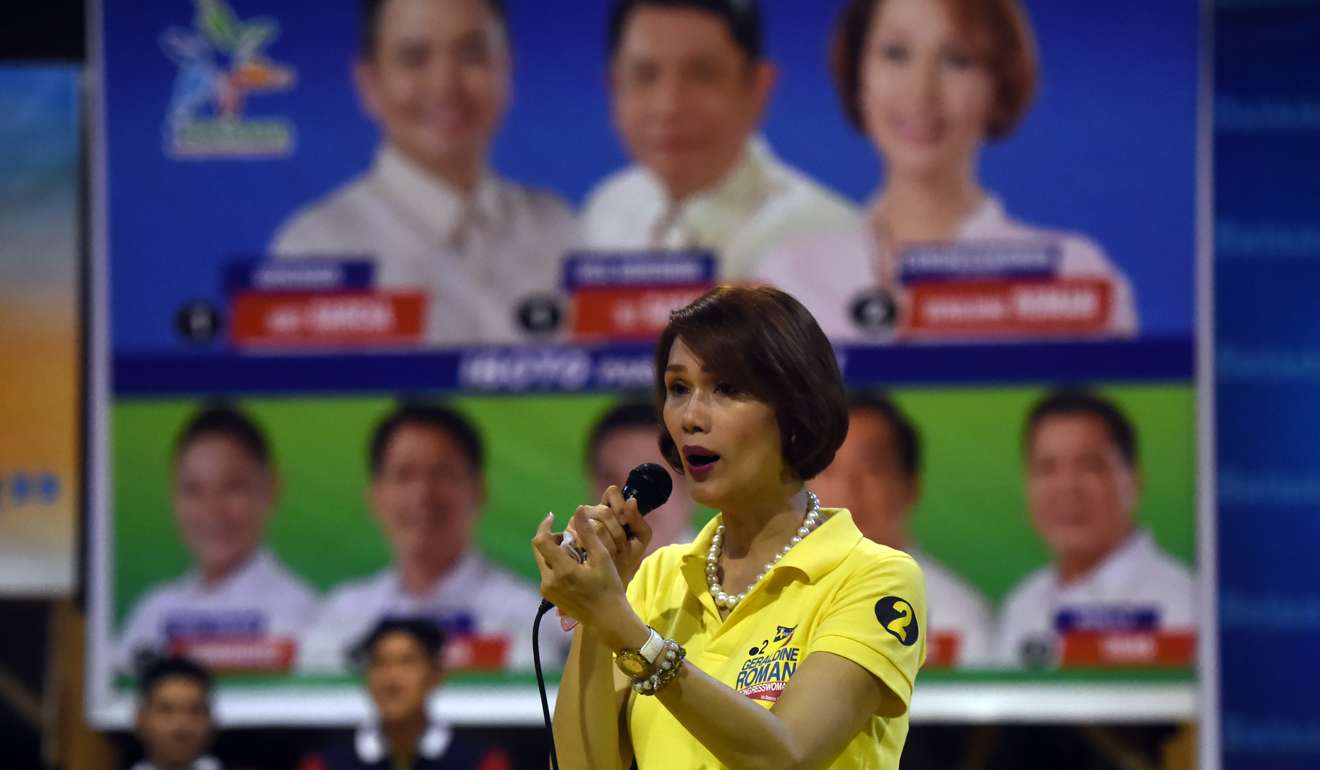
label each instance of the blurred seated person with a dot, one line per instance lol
(237, 596)
(430, 212)
(625, 436)
(174, 723)
(930, 83)
(689, 86)
(427, 489)
(400, 660)
(1083, 486)
(876, 474)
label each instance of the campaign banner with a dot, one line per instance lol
(279, 232)
(40, 440)
(290, 632)
(245, 102)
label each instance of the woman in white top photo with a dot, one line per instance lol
(929, 83)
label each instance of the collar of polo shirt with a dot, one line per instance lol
(831, 542)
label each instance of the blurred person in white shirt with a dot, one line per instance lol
(626, 435)
(1083, 486)
(876, 474)
(225, 490)
(428, 486)
(689, 86)
(430, 213)
(929, 82)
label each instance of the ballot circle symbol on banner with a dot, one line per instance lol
(198, 322)
(1039, 651)
(540, 314)
(874, 310)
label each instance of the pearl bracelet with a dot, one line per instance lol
(666, 669)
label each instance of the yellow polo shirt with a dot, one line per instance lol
(835, 592)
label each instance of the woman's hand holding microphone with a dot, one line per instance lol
(593, 591)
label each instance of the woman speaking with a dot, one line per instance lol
(779, 638)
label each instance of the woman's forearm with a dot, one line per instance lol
(587, 724)
(589, 733)
(731, 726)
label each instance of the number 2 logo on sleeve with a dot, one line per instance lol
(898, 618)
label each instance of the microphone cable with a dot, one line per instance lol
(540, 681)
(651, 485)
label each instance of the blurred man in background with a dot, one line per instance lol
(401, 663)
(1083, 485)
(690, 86)
(174, 721)
(876, 475)
(626, 436)
(238, 603)
(427, 490)
(431, 213)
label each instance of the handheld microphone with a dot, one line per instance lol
(650, 484)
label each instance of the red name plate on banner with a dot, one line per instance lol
(348, 319)
(1129, 648)
(942, 649)
(627, 296)
(1009, 308)
(239, 655)
(628, 313)
(472, 652)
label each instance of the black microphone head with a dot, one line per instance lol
(650, 484)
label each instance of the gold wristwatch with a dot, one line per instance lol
(639, 663)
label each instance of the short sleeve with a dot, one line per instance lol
(877, 619)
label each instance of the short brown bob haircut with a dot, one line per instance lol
(1003, 36)
(764, 342)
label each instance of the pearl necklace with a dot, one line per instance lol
(729, 601)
